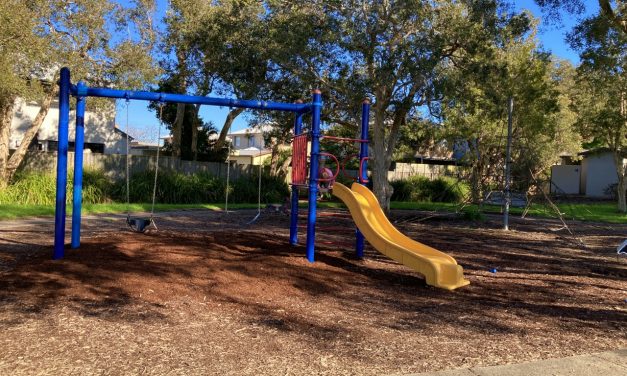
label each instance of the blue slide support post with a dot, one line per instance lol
(79, 142)
(313, 173)
(64, 118)
(298, 125)
(363, 176)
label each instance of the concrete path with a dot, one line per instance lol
(610, 363)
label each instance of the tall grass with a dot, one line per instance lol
(419, 188)
(39, 189)
(172, 188)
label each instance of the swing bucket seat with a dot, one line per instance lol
(139, 224)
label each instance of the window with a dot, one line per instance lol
(94, 147)
(237, 141)
(251, 141)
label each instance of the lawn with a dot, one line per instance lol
(11, 211)
(596, 212)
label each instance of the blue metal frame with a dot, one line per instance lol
(62, 148)
(298, 128)
(190, 99)
(81, 91)
(77, 196)
(363, 177)
(313, 174)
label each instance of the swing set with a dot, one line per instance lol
(81, 92)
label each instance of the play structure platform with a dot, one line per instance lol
(439, 269)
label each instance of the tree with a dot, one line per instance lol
(601, 96)
(394, 52)
(17, 30)
(474, 111)
(92, 37)
(222, 47)
(613, 11)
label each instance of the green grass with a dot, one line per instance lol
(11, 211)
(596, 212)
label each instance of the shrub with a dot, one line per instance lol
(274, 189)
(32, 188)
(172, 188)
(419, 188)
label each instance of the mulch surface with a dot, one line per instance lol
(205, 295)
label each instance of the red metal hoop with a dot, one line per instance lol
(343, 139)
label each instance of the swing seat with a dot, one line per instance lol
(139, 224)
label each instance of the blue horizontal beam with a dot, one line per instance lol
(190, 99)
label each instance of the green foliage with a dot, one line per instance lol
(419, 188)
(177, 188)
(173, 187)
(39, 189)
(273, 189)
(600, 94)
(472, 213)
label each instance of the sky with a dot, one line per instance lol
(143, 123)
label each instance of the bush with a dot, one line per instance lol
(419, 188)
(172, 188)
(40, 189)
(274, 189)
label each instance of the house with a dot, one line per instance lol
(593, 176)
(143, 148)
(248, 145)
(101, 134)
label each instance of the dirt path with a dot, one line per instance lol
(205, 295)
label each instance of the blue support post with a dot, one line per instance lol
(298, 125)
(64, 117)
(79, 141)
(363, 176)
(313, 173)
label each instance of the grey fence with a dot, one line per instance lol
(114, 165)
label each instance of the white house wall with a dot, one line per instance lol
(99, 127)
(246, 141)
(565, 179)
(599, 174)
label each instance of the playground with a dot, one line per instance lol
(206, 295)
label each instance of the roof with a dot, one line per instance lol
(252, 130)
(117, 129)
(594, 151)
(253, 151)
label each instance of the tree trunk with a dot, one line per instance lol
(227, 127)
(618, 157)
(194, 146)
(31, 132)
(177, 130)
(475, 176)
(6, 116)
(381, 187)
(621, 186)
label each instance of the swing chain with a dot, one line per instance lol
(128, 152)
(154, 187)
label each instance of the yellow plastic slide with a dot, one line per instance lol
(440, 269)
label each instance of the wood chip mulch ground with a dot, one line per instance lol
(206, 295)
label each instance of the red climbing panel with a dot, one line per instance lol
(299, 159)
